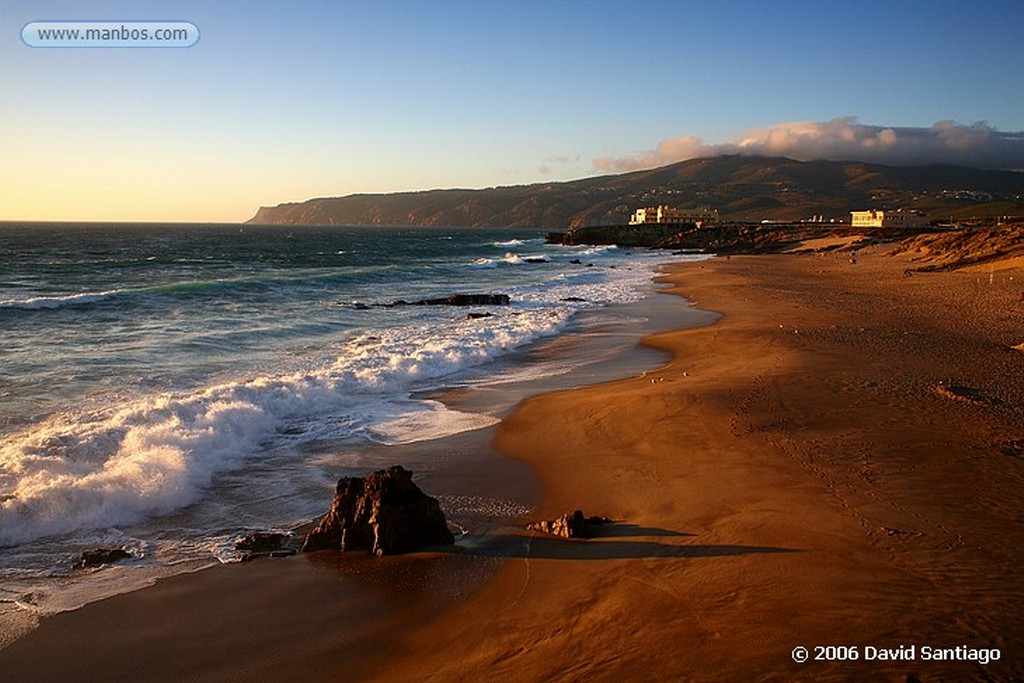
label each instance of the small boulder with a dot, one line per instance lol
(100, 556)
(384, 513)
(570, 525)
(261, 542)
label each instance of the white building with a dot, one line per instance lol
(666, 214)
(887, 219)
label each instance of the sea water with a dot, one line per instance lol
(168, 388)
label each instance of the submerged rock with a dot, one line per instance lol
(570, 525)
(384, 513)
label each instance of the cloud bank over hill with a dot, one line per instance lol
(946, 142)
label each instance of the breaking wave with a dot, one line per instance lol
(157, 454)
(38, 303)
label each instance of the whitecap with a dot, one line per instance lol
(49, 302)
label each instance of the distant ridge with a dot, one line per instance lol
(742, 188)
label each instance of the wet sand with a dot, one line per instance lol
(837, 461)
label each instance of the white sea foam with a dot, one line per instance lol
(177, 469)
(118, 464)
(155, 455)
(509, 258)
(423, 421)
(605, 249)
(44, 302)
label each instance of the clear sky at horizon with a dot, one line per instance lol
(283, 101)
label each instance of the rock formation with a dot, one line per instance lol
(467, 300)
(451, 300)
(570, 525)
(384, 513)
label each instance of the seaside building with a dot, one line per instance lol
(887, 219)
(666, 214)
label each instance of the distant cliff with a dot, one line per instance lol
(742, 188)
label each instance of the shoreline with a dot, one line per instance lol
(463, 470)
(798, 478)
(793, 476)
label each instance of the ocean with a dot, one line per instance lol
(169, 388)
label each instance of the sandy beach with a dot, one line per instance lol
(835, 462)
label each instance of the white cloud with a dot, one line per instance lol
(842, 139)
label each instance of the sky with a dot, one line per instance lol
(284, 101)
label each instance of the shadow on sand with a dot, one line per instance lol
(597, 548)
(619, 529)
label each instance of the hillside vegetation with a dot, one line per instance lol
(742, 188)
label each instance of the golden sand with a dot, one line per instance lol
(802, 473)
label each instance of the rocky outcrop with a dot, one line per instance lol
(451, 300)
(385, 513)
(570, 525)
(727, 238)
(645, 235)
(466, 300)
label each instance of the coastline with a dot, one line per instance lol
(210, 612)
(797, 478)
(795, 475)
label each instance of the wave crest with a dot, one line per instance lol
(39, 303)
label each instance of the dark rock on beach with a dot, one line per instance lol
(263, 543)
(100, 556)
(477, 316)
(384, 513)
(467, 300)
(452, 300)
(570, 525)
